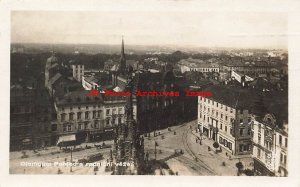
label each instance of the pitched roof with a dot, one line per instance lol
(55, 78)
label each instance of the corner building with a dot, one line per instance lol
(225, 118)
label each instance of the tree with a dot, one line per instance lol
(216, 146)
(240, 166)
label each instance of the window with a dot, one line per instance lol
(80, 126)
(249, 131)
(94, 114)
(69, 127)
(280, 139)
(217, 114)
(119, 120)
(229, 145)
(249, 119)
(98, 113)
(217, 104)
(86, 115)
(258, 153)
(286, 142)
(241, 132)
(63, 117)
(226, 108)
(221, 116)
(54, 127)
(96, 124)
(207, 119)
(225, 128)
(71, 116)
(87, 107)
(86, 125)
(221, 126)
(241, 120)
(119, 110)
(107, 121)
(64, 127)
(78, 115)
(114, 111)
(281, 157)
(226, 117)
(259, 139)
(220, 140)
(107, 111)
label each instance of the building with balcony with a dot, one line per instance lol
(270, 142)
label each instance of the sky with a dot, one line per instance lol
(182, 28)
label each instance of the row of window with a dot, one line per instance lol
(114, 111)
(213, 103)
(81, 126)
(225, 143)
(79, 107)
(95, 114)
(222, 116)
(285, 141)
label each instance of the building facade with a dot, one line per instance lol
(225, 121)
(270, 146)
(78, 71)
(90, 118)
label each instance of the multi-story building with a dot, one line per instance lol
(21, 117)
(270, 142)
(31, 117)
(241, 78)
(248, 67)
(197, 65)
(89, 118)
(225, 118)
(96, 81)
(78, 71)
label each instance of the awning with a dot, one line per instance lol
(67, 138)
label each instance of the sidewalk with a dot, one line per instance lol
(245, 159)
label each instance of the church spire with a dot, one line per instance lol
(122, 59)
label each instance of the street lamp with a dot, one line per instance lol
(71, 160)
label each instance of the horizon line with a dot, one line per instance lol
(162, 45)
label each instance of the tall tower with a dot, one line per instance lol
(122, 59)
(129, 145)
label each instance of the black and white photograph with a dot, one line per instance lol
(169, 90)
(110, 94)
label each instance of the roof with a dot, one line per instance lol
(52, 59)
(115, 68)
(233, 97)
(55, 78)
(247, 64)
(77, 97)
(197, 63)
